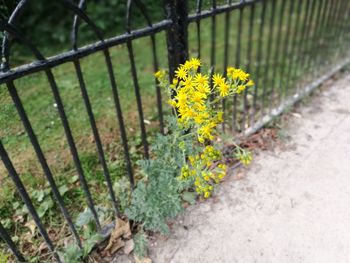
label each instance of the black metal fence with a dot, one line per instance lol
(289, 46)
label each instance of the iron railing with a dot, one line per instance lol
(289, 46)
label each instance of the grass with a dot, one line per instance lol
(39, 105)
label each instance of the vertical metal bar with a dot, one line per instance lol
(212, 45)
(293, 53)
(276, 60)
(72, 145)
(6, 237)
(226, 55)
(259, 61)
(138, 99)
(119, 116)
(158, 92)
(299, 55)
(238, 62)
(340, 20)
(321, 34)
(344, 27)
(336, 18)
(311, 60)
(249, 66)
(198, 24)
(96, 134)
(26, 199)
(177, 34)
(306, 41)
(108, 61)
(327, 33)
(269, 50)
(42, 160)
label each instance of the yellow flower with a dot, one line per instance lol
(206, 194)
(218, 79)
(188, 83)
(240, 88)
(203, 88)
(181, 72)
(206, 131)
(188, 65)
(198, 97)
(222, 166)
(240, 74)
(245, 157)
(195, 63)
(199, 119)
(181, 99)
(224, 89)
(191, 159)
(159, 74)
(219, 116)
(230, 71)
(221, 175)
(201, 79)
(250, 83)
(172, 103)
(201, 108)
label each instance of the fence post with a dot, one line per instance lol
(177, 35)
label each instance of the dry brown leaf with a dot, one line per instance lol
(127, 231)
(116, 246)
(122, 229)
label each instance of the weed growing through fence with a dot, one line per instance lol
(197, 103)
(187, 161)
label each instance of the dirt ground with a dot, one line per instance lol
(291, 205)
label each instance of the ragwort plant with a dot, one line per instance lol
(196, 99)
(186, 158)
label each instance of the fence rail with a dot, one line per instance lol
(290, 47)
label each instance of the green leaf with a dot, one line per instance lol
(73, 179)
(45, 207)
(84, 218)
(72, 254)
(90, 243)
(141, 243)
(63, 189)
(7, 223)
(189, 197)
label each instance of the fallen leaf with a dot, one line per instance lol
(121, 230)
(116, 246)
(31, 225)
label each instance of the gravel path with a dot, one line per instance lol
(293, 204)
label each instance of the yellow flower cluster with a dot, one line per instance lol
(194, 97)
(245, 157)
(201, 168)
